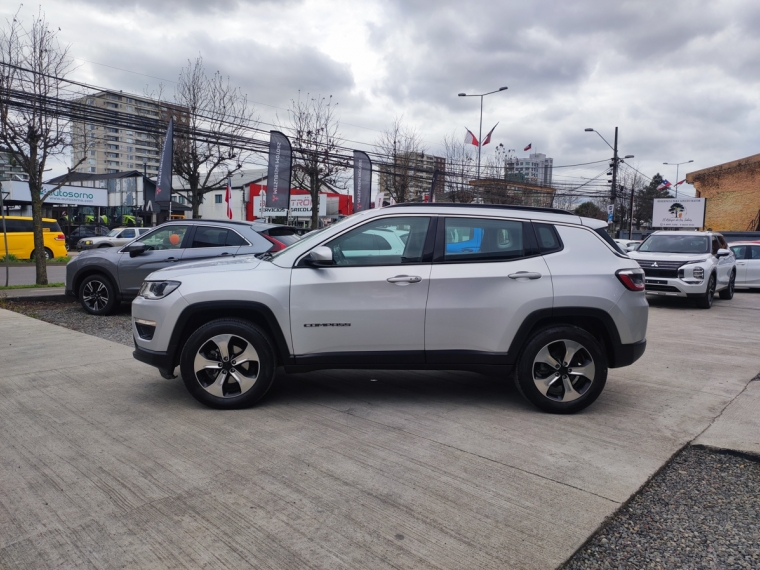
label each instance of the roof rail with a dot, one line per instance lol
(486, 206)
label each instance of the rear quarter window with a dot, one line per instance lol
(547, 237)
(611, 242)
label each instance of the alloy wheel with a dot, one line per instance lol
(95, 295)
(226, 366)
(563, 370)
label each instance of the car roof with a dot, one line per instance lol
(684, 233)
(733, 243)
(437, 205)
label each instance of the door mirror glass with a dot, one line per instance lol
(723, 252)
(135, 249)
(320, 257)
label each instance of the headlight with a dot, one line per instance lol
(88, 242)
(699, 273)
(157, 289)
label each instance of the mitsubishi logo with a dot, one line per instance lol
(655, 264)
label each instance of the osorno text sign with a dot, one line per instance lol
(278, 174)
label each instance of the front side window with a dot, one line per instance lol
(128, 233)
(740, 251)
(165, 238)
(387, 241)
(477, 239)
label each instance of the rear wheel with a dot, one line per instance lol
(97, 295)
(562, 370)
(728, 293)
(48, 254)
(228, 363)
(706, 301)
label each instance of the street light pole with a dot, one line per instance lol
(677, 165)
(480, 130)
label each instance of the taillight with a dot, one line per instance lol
(60, 237)
(276, 244)
(632, 279)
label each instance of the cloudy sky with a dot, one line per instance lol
(679, 78)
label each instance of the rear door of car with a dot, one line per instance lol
(165, 247)
(753, 266)
(209, 241)
(487, 277)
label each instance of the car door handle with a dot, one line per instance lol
(172, 259)
(741, 263)
(404, 279)
(524, 275)
(226, 253)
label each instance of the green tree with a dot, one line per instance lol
(590, 210)
(645, 200)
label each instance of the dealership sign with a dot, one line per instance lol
(73, 195)
(678, 213)
(300, 207)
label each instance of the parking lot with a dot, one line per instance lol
(104, 463)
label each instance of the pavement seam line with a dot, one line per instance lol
(716, 418)
(475, 455)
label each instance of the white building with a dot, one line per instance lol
(214, 207)
(537, 168)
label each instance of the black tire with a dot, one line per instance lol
(532, 369)
(706, 301)
(48, 254)
(98, 295)
(252, 378)
(728, 293)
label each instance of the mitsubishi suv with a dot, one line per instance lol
(688, 264)
(539, 295)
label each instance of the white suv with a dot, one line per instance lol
(539, 294)
(688, 264)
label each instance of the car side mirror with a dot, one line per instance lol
(321, 256)
(135, 249)
(723, 253)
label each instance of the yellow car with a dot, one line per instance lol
(20, 238)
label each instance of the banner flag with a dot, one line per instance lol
(379, 200)
(488, 136)
(362, 181)
(228, 197)
(164, 179)
(279, 172)
(469, 138)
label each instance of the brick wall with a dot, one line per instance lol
(733, 193)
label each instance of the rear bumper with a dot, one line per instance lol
(627, 354)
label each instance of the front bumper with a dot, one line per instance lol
(673, 287)
(161, 360)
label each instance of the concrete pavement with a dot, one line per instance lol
(103, 463)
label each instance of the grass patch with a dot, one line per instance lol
(32, 286)
(13, 259)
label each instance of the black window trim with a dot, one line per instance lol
(552, 227)
(439, 256)
(196, 226)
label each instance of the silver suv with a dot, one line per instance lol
(539, 294)
(688, 264)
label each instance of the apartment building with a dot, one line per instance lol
(413, 171)
(111, 143)
(535, 169)
(9, 169)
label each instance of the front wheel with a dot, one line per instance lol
(562, 370)
(706, 301)
(228, 363)
(97, 295)
(728, 293)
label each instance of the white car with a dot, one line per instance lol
(628, 244)
(747, 264)
(687, 264)
(538, 295)
(115, 238)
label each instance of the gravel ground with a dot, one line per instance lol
(69, 313)
(701, 511)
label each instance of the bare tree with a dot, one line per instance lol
(460, 169)
(33, 72)
(401, 147)
(315, 136)
(211, 117)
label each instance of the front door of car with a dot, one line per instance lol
(740, 251)
(212, 241)
(164, 247)
(371, 302)
(486, 278)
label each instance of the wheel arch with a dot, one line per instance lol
(86, 272)
(597, 322)
(198, 314)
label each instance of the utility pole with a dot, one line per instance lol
(630, 226)
(613, 192)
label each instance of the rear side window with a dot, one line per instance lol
(548, 238)
(483, 239)
(50, 226)
(206, 236)
(611, 242)
(754, 252)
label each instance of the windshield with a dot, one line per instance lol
(113, 233)
(676, 244)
